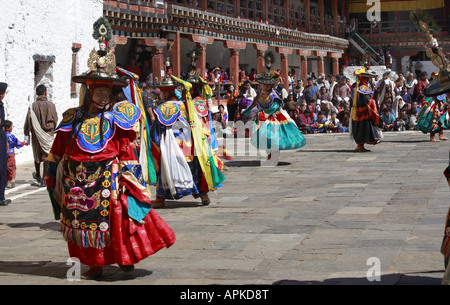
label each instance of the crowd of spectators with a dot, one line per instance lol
(322, 104)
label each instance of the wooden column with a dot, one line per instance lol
(176, 55)
(304, 63)
(284, 53)
(307, 15)
(335, 57)
(287, 19)
(335, 14)
(201, 42)
(157, 45)
(260, 49)
(234, 47)
(202, 5)
(320, 65)
(322, 16)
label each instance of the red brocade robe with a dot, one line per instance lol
(121, 239)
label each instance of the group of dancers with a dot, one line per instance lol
(107, 152)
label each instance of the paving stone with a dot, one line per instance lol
(315, 218)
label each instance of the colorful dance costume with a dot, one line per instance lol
(96, 184)
(273, 128)
(433, 118)
(365, 120)
(180, 172)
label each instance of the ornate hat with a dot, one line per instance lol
(268, 76)
(102, 63)
(441, 83)
(168, 82)
(194, 74)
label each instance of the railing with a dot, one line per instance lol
(296, 21)
(396, 28)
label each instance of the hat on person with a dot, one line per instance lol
(194, 74)
(441, 82)
(101, 63)
(3, 86)
(268, 76)
(168, 83)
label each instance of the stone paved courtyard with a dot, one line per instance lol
(315, 218)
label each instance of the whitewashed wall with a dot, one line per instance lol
(45, 28)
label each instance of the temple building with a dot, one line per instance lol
(305, 35)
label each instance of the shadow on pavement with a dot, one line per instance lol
(327, 150)
(173, 204)
(387, 279)
(251, 163)
(59, 270)
(53, 226)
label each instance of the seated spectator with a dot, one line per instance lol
(290, 105)
(319, 125)
(345, 121)
(412, 112)
(333, 123)
(304, 121)
(406, 96)
(387, 119)
(402, 122)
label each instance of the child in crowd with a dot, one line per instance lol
(388, 119)
(412, 113)
(333, 124)
(403, 119)
(13, 142)
(319, 125)
(345, 121)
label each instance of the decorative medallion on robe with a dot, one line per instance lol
(123, 115)
(86, 208)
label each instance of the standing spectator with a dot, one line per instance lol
(410, 83)
(148, 97)
(422, 83)
(232, 102)
(329, 84)
(386, 92)
(3, 147)
(400, 82)
(41, 121)
(249, 92)
(406, 96)
(283, 92)
(298, 90)
(309, 92)
(418, 68)
(342, 93)
(13, 142)
(290, 106)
